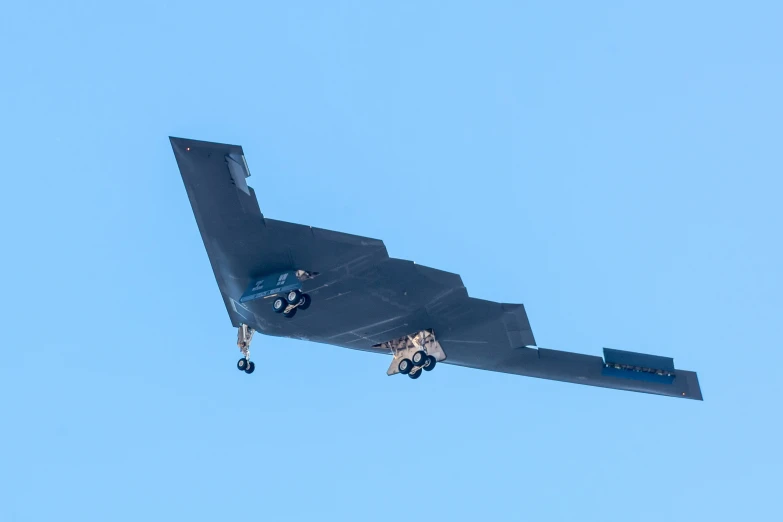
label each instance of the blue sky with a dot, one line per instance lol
(615, 167)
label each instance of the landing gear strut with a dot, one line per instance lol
(244, 336)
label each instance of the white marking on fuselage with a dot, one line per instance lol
(459, 341)
(354, 261)
(375, 334)
(338, 295)
(234, 306)
(360, 337)
(365, 327)
(322, 286)
(392, 329)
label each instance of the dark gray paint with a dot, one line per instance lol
(361, 296)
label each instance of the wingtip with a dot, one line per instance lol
(177, 144)
(696, 388)
(184, 143)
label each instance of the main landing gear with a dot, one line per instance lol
(244, 336)
(415, 365)
(290, 303)
(413, 354)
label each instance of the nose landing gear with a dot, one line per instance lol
(246, 366)
(244, 336)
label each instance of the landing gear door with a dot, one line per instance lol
(271, 285)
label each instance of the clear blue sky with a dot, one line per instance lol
(632, 154)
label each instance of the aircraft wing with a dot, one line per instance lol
(240, 242)
(365, 300)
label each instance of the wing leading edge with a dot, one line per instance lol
(367, 297)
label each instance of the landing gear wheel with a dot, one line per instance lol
(293, 297)
(419, 358)
(304, 302)
(251, 367)
(415, 374)
(279, 304)
(290, 313)
(242, 364)
(430, 364)
(405, 366)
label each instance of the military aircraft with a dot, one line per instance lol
(289, 280)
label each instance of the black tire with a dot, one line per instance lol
(419, 358)
(251, 367)
(430, 364)
(279, 305)
(405, 366)
(290, 314)
(304, 302)
(416, 374)
(242, 364)
(293, 297)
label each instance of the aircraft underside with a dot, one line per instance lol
(290, 280)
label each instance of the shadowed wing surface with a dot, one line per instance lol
(362, 297)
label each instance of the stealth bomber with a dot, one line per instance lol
(298, 281)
